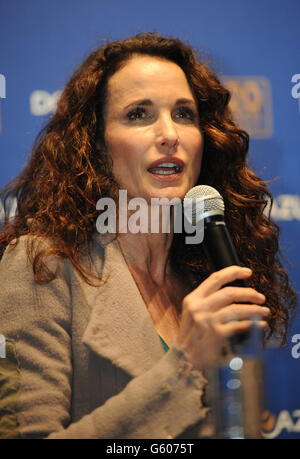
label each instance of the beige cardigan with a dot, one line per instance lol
(86, 362)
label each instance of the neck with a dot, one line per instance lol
(148, 254)
(147, 251)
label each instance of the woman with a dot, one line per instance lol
(88, 317)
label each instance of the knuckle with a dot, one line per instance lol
(240, 293)
(188, 305)
(230, 293)
(236, 269)
(215, 276)
(199, 320)
(192, 304)
(187, 301)
(235, 309)
(254, 293)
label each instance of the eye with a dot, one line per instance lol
(137, 114)
(185, 114)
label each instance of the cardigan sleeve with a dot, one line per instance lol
(35, 322)
(161, 403)
(36, 392)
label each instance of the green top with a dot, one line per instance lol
(166, 347)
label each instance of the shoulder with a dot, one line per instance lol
(25, 303)
(17, 260)
(17, 275)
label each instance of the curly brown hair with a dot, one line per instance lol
(70, 169)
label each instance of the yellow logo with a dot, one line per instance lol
(272, 426)
(251, 104)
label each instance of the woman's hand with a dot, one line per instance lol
(211, 314)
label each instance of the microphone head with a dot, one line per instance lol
(212, 201)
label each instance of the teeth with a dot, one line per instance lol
(167, 165)
(155, 171)
(158, 169)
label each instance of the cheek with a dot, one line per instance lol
(196, 146)
(196, 152)
(122, 152)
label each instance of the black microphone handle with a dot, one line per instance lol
(220, 251)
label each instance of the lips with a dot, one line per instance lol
(167, 165)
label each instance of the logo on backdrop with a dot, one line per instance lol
(43, 102)
(251, 104)
(295, 351)
(272, 425)
(2, 95)
(286, 207)
(296, 88)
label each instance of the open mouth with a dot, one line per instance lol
(166, 169)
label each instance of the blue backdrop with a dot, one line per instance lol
(254, 46)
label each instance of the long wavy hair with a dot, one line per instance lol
(69, 170)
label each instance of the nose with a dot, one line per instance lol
(167, 136)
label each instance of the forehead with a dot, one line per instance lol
(147, 75)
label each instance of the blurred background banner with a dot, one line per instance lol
(253, 46)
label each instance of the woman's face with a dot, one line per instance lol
(151, 129)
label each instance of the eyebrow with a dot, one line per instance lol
(147, 102)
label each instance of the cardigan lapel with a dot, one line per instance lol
(120, 328)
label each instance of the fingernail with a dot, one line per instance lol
(247, 270)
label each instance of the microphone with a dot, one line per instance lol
(217, 243)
